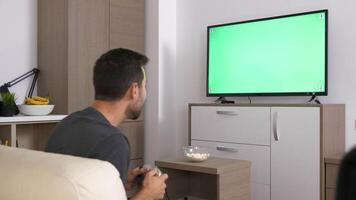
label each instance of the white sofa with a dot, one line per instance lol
(35, 175)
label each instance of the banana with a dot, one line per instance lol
(36, 100)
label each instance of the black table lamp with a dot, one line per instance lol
(5, 88)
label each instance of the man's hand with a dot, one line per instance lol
(155, 184)
(153, 187)
(131, 176)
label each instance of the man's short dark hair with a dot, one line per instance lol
(115, 71)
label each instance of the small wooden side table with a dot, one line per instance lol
(215, 178)
(332, 165)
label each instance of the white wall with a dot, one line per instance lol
(189, 74)
(18, 42)
(152, 103)
(167, 77)
(160, 121)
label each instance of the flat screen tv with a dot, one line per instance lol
(283, 55)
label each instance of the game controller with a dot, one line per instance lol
(155, 169)
(139, 179)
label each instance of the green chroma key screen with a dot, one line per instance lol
(282, 55)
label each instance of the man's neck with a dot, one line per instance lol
(113, 111)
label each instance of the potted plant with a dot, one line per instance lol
(8, 107)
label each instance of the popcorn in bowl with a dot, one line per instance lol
(196, 153)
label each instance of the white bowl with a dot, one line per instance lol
(35, 109)
(196, 153)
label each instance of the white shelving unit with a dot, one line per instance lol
(32, 130)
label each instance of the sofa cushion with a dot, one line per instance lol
(36, 175)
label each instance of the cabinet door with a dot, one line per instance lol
(88, 38)
(127, 24)
(295, 153)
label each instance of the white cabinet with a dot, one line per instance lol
(285, 143)
(30, 132)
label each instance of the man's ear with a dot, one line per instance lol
(134, 90)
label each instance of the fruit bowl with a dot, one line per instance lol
(196, 153)
(35, 110)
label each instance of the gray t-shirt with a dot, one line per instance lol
(89, 134)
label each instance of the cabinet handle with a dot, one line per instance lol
(275, 126)
(225, 112)
(231, 150)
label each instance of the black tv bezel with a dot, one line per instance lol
(325, 93)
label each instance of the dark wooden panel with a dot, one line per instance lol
(127, 24)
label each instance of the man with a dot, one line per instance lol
(346, 181)
(120, 92)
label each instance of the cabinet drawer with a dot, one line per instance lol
(258, 155)
(330, 194)
(331, 172)
(246, 125)
(260, 163)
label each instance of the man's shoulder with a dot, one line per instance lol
(88, 115)
(87, 122)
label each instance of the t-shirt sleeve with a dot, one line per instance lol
(116, 150)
